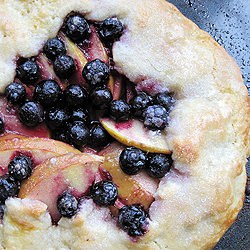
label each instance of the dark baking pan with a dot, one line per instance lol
(228, 21)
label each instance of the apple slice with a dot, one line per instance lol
(74, 172)
(13, 125)
(39, 149)
(115, 86)
(133, 133)
(47, 71)
(96, 49)
(80, 59)
(136, 189)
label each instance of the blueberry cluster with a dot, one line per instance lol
(19, 169)
(131, 218)
(153, 111)
(66, 111)
(132, 160)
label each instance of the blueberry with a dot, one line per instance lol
(78, 133)
(101, 98)
(139, 103)
(47, 93)
(80, 114)
(96, 73)
(165, 100)
(20, 167)
(104, 193)
(158, 165)
(60, 135)
(28, 72)
(2, 209)
(1, 126)
(8, 187)
(133, 220)
(132, 160)
(77, 28)
(119, 110)
(57, 117)
(53, 48)
(99, 137)
(155, 117)
(67, 205)
(15, 93)
(31, 114)
(111, 29)
(64, 66)
(75, 95)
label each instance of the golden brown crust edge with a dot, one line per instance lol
(208, 132)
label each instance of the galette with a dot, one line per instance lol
(122, 126)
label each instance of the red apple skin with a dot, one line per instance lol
(13, 124)
(96, 49)
(136, 189)
(71, 172)
(47, 71)
(39, 149)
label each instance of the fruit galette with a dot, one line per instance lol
(123, 126)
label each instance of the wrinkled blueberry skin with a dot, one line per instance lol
(57, 117)
(155, 117)
(20, 168)
(78, 133)
(77, 28)
(8, 187)
(31, 114)
(111, 29)
(165, 100)
(47, 93)
(64, 66)
(139, 103)
(67, 205)
(101, 98)
(158, 165)
(53, 48)
(119, 110)
(15, 93)
(28, 72)
(96, 73)
(104, 193)
(132, 160)
(132, 219)
(75, 95)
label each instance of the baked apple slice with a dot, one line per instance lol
(39, 149)
(77, 54)
(96, 49)
(135, 189)
(72, 172)
(133, 133)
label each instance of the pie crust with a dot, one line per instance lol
(208, 132)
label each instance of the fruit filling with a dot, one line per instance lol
(109, 139)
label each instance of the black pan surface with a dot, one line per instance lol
(228, 21)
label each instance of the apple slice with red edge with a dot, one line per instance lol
(39, 149)
(78, 55)
(133, 133)
(115, 85)
(47, 71)
(96, 49)
(132, 189)
(71, 172)
(12, 123)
